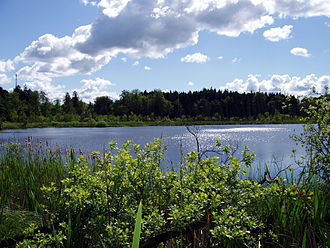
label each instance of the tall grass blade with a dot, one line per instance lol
(303, 245)
(316, 197)
(68, 245)
(137, 229)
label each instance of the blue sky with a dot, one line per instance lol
(102, 47)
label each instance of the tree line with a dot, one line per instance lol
(26, 105)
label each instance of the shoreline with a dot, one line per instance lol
(12, 125)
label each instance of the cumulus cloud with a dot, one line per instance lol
(277, 34)
(6, 66)
(299, 51)
(53, 91)
(87, 92)
(112, 8)
(4, 79)
(95, 88)
(190, 83)
(50, 57)
(286, 84)
(147, 68)
(124, 59)
(233, 18)
(220, 57)
(297, 8)
(154, 28)
(87, 2)
(138, 29)
(136, 63)
(195, 58)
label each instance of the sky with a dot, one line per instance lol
(102, 47)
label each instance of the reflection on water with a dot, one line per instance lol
(267, 141)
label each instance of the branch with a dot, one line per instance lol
(163, 237)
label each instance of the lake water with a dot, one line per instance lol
(269, 142)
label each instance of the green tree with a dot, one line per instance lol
(67, 104)
(103, 105)
(77, 104)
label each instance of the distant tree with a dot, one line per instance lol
(77, 104)
(160, 106)
(67, 104)
(103, 105)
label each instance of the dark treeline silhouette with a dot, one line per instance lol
(27, 106)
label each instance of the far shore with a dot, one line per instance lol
(11, 125)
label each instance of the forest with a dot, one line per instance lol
(25, 106)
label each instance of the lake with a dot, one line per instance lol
(269, 142)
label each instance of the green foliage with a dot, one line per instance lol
(316, 137)
(28, 107)
(41, 240)
(98, 205)
(15, 222)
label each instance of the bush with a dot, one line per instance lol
(93, 206)
(101, 124)
(316, 138)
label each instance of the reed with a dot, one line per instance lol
(23, 172)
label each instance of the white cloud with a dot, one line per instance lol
(4, 79)
(190, 83)
(220, 57)
(87, 92)
(147, 68)
(50, 57)
(6, 66)
(87, 2)
(112, 8)
(229, 17)
(195, 58)
(53, 91)
(286, 84)
(297, 8)
(154, 28)
(236, 60)
(298, 51)
(136, 63)
(124, 59)
(277, 34)
(95, 88)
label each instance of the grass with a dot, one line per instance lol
(14, 222)
(24, 170)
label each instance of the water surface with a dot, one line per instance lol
(269, 142)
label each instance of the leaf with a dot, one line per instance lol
(137, 229)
